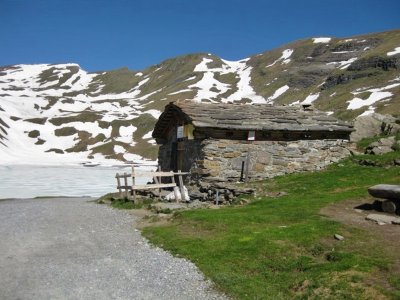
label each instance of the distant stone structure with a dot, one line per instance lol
(228, 142)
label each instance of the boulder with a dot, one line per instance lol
(385, 191)
(373, 125)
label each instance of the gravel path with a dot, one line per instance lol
(69, 248)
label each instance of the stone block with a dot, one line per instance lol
(222, 145)
(259, 167)
(265, 159)
(279, 162)
(232, 154)
(211, 164)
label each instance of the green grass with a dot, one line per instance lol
(282, 248)
(129, 204)
(123, 203)
(84, 116)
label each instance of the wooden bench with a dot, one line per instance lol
(157, 175)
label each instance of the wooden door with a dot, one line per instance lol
(180, 155)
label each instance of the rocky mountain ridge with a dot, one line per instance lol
(62, 114)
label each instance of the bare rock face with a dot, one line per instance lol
(372, 125)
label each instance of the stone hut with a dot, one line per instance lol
(229, 142)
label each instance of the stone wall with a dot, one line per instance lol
(221, 160)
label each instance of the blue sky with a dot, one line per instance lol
(105, 35)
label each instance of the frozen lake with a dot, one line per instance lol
(26, 181)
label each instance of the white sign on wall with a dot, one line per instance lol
(251, 136)
(179, 132)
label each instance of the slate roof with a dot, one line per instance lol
(262, 117)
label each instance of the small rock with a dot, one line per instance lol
(368, 162)
(165, 216)
(339, 237)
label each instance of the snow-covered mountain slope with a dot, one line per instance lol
(62, 114)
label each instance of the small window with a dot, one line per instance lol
(251, 135)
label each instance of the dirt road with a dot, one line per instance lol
(70, 248)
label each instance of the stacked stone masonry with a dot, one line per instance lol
(222, 159)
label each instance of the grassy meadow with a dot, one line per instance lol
(283, 247)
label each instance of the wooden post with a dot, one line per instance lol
(159, 181)
(247, 167)
(119, 185)
(133, 184)
(241, 172)
(181, 187)
(126, 185)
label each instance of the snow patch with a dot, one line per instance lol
(368, 112)
(343, 64)
(394, 52)
(377, 94)
(126, 134)
(209, 88)
(321, 40)
(148, 135)
(202, 66)
(190, 78)
(205, 85)
(356, 103)
(342, 52)
(284, 57)
(133, 157)
(181, 91)
(310, 98)
(119, 149)
(278, 92)
(154, 112)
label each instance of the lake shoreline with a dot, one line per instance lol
(31, 181)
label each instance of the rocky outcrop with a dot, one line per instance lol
(334, 80)
(375, 62)
(382, 146)
(374, 125)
